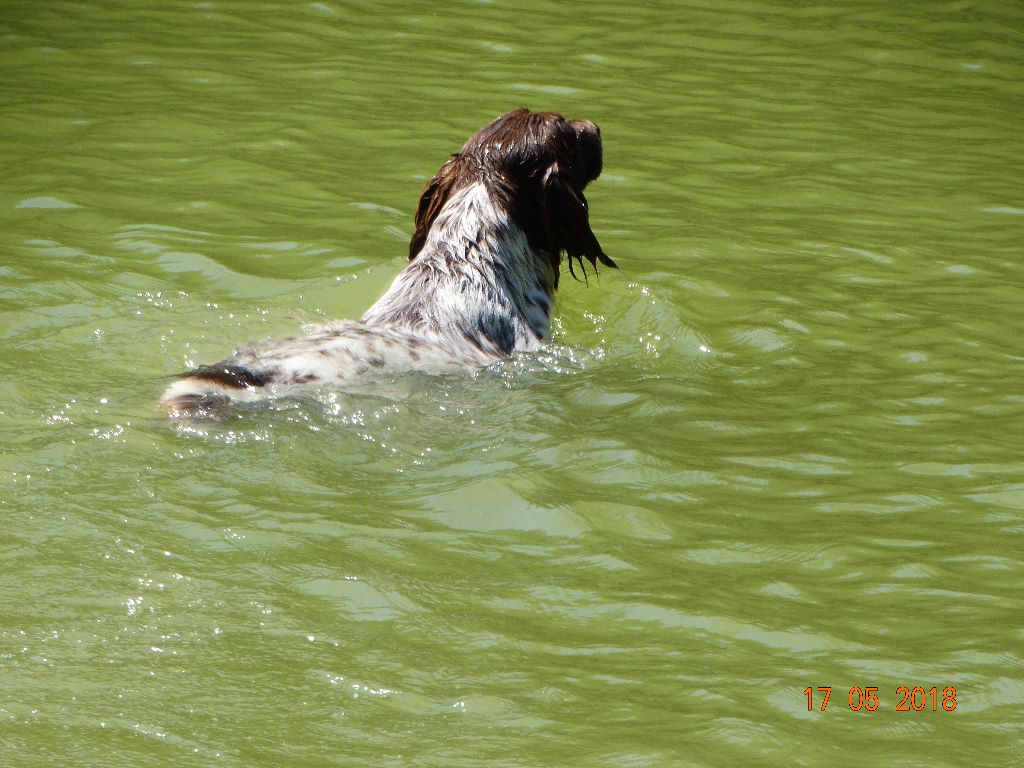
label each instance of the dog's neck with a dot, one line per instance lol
(476, 277)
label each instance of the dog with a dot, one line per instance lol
(492, 229)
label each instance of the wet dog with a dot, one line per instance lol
(492, 229)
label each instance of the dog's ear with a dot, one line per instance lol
(587, 152)
(435, 194)
(567, 221)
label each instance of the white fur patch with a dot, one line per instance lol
(475, 293)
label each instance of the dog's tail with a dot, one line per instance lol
(209, 388)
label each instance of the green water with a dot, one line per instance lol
(782, 447)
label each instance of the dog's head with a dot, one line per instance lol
(536, 165)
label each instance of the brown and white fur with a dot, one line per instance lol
(490, 231)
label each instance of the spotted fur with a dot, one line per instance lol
(491, 231)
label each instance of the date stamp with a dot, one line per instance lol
(916, 699)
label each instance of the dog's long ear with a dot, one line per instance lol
(567, 221)
(435, 194)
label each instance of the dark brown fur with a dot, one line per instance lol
(538, 164)
(232, 376)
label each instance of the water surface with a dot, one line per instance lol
(780, 448)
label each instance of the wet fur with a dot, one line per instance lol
(491, 230)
